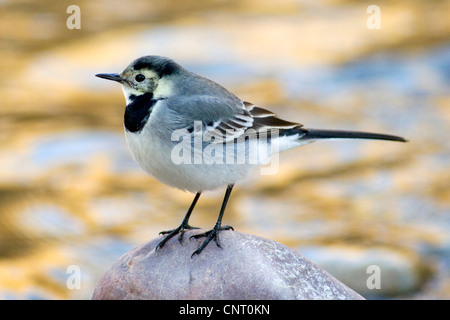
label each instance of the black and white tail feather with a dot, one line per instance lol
(254, 120)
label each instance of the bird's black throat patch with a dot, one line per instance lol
(138, 111)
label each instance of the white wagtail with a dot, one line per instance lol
(162, 97)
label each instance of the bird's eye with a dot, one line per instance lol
(140, 78)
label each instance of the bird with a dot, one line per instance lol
(191, 133)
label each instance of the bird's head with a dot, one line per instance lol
(146, 75)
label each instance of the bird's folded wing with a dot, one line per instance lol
(253, 121)
(225, 119)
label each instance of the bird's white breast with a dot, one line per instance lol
(152, 148)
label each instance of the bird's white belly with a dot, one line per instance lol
(156, 157)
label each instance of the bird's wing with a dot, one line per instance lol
(264, 119)
(250, 123)
(222, 120)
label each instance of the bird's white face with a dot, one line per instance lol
(150, 76)
(138, 82)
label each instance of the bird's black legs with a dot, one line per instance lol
(183, 226)
(210, 235)
(214, 233)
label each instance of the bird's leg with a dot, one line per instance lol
(183, 226)
(214, 232)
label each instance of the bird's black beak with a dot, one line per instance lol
(110, 76)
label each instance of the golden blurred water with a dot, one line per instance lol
(70, 194)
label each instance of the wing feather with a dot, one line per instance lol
(251, 121)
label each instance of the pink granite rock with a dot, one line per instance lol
(246, 267)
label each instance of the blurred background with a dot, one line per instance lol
(71, 197)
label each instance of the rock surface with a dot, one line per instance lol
(391, 272)
(247, 267)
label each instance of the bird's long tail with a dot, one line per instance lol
(318, 134)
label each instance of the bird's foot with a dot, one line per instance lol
(170, 233)
(210, 235)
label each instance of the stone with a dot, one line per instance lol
(373, 271)
(246, 267)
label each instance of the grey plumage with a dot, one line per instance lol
(163, 98)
